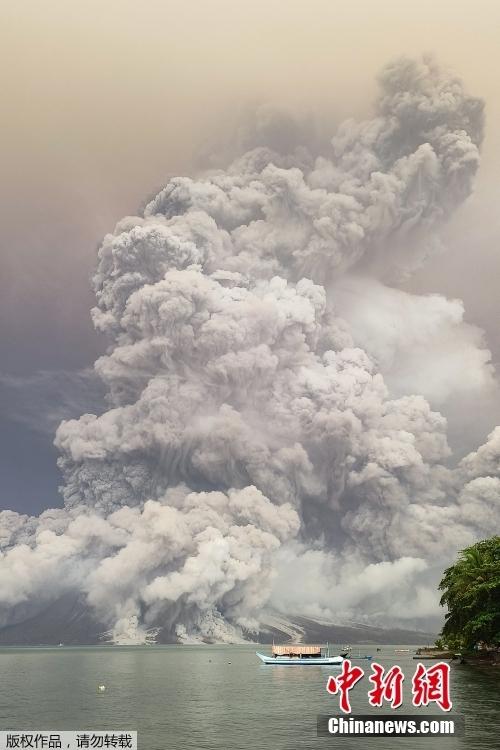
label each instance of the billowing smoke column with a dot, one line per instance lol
(252, 448)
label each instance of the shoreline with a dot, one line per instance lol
(470, 659)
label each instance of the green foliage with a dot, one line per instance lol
(471, 591)
(451, 643)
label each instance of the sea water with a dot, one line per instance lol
(218, 697)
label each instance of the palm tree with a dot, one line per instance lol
(471, 591)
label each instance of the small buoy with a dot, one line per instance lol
(101, 688)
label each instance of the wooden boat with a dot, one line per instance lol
(301, 655)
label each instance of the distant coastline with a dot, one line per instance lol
(70, 621)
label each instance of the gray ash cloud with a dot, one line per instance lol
(265, 429)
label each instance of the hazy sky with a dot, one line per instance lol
(102, 101)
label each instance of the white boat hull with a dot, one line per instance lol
(317, 661)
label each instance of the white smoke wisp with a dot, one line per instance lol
(252, 444)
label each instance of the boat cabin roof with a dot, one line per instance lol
(299, 648)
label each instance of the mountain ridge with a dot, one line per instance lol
(70, 621)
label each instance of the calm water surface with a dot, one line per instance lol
(215, 697)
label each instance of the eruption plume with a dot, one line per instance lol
(267, 432)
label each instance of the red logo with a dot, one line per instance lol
(343, 683)
(432, 685)
(388, 687)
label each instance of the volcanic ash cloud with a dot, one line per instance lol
(252, 443)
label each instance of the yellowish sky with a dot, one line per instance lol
(124, 90)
